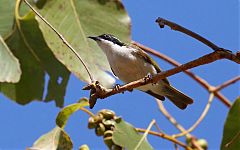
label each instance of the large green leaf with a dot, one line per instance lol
(28, 45)
(7, 16)
(77, 19)
(67, 111)
(125, 135)
(7, 8)
(231, 132)
(56, 139)
(10, 67)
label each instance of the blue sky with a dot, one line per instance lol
(217, 20)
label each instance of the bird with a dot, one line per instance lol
(129, 62)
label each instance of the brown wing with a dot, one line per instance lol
(142, 54)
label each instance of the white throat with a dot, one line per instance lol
(112, 50)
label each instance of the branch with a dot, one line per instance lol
(98, 91)
(169, 117)
(204, 113)
(162, 22)
(198, 79)
(165, 136)
(227, 83)
(62, 38)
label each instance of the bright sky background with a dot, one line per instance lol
(217, 20)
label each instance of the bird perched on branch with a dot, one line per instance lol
(130, 63)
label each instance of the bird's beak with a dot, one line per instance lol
(95, 38)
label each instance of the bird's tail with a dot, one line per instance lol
(178, 98)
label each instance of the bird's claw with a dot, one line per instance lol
(117, 87)
(147, 78)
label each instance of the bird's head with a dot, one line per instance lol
(107, 40)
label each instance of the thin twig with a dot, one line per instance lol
(87, 111)
(165, 136)
(157, 127)
(145, 134)
(63, 40)
(227, 83)
(198, 79)
(204, 113)
(162, 22)
(169, 117)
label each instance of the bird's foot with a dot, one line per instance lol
(147, 78)
(117, 87)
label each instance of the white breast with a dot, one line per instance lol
(126, 66)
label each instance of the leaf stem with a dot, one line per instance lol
(165, 136)
(87, 111)
(145, 134)
(177, 27)
(227, 83)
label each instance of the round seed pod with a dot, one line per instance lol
(108, 133)
(98, 118)
(91, 123)
(203, 143)
(107, 114)
(84, 147)
(100, 129)
(108, 123)
(108, 141)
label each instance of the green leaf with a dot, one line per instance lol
(56, 139)
(7, 8)
(36, 59)
(125, 135)
(10, 67)
(231, 132)
(67, 111)
(76, 20)
(7, 16)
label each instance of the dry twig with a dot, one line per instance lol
(198, 79)
(165, 136)
(227, 83)
(204, 113)
(98, 91)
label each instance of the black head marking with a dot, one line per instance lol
(111, 38)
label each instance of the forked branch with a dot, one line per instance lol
(99, 91)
